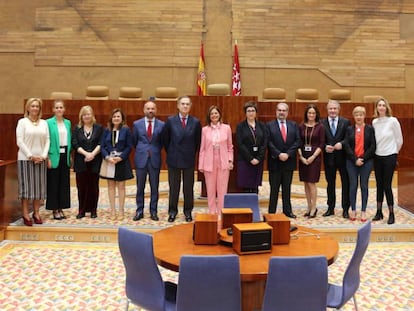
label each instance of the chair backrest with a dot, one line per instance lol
(340, 95)
(218, 89)
(248, 200)
(296, 284)
(97, 92)
(351, 280)
(144, 285)
(207, 283)
(61, 95)
(274, 94)
(371, 98)
(130, 93)
(166, 93)
(307, 95)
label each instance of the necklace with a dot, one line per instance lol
(87, 133)
(34, 122)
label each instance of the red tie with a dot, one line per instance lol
(183, 123)
(149, 129)
(283, 130)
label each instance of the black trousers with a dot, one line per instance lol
(58, 186)
(279, 178)
(87, 183)
(384, 167)
(174, 181)
(330, 175)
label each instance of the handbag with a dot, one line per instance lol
(107, 169)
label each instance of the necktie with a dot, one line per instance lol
(283, 130)
(333, 127)
(183, 122)
(149, 129)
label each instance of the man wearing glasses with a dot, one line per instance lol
(181, 139)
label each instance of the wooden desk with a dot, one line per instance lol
(171, 243)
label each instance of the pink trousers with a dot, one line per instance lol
(216, 183)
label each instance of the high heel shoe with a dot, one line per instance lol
(27, 222)
(62, 216)
(391, 219)
(363, 217)
(306, 214)
(378, 216)
(314, 214)
(37, 221)
(352, 216)
(56, 215)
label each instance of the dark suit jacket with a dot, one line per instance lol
(277, 146)
(246, 142)
(124, 144)
(79, 140)
(369, 143)
(181, 143)
(337, 157)
(144, 146)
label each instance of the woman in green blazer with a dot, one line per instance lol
(58, 174)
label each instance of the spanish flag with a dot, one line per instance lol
(201, 74)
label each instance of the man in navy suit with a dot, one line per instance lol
(284, 140)
(335, 157)
(146, 135)
(181, 137)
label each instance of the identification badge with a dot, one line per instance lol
(255, 148)
(308, 148)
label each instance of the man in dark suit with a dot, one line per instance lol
(335, 158)
(284, 140)
(181, 137)
(146, 135)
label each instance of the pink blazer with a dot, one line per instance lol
(206, 155)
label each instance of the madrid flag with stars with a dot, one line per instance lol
(236, 73)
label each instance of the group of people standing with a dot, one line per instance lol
(44, 157)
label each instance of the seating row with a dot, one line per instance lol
(220, 89)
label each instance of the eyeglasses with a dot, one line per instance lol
(251, 110)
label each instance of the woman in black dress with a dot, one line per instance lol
(252, 143)
(86, 141)
(312, 134)
(116, 146)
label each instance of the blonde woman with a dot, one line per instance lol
(86, 141)
(389, 140)
(32, 136)
(360, 149)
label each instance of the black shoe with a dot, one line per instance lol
(188, 218)
(329, 212)
(138, 216)
(154, 217)
(307, 214)
(391, 219)
(62, 215)
(56, 215)
(378, 216)
(79, 216)
(314, 214)
(171, 218)
(345, 214)
(290, 215)
(94, 215)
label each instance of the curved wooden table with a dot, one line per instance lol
(171, 243)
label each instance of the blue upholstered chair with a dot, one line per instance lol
(339, 295)
(144, 286)
(296, 284)
(238, 200)
(207, 283)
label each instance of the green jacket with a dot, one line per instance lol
(54, 149)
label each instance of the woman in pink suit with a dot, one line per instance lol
(216, 158)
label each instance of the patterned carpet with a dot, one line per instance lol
(90, 276)
(85, 276)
